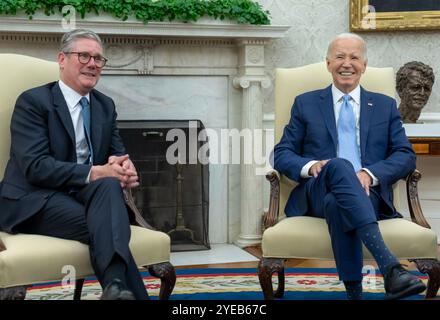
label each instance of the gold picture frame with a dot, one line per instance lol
(392, 16)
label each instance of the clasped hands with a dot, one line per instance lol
(119, 167)
(364, 178)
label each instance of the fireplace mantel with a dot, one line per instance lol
(229, 55)
(105, 25)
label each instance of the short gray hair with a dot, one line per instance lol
(348, 36)
(69, 38)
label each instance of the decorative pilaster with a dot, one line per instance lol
(252, 80)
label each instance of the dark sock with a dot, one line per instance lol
(372, 239)
(354, 290)
(115, 270)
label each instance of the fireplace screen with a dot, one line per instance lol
(172, 197)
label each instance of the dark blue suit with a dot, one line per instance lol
(336, 193)
(44, 189)
(43, 153)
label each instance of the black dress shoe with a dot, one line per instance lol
(399, 283)
(115, 291)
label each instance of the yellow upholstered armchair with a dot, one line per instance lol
(27, 259)
(307, 237)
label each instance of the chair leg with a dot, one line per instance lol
(167, 275)
(13, 293)
(266, 268)
(432, 268)
(78, 289)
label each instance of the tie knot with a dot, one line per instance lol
(84, 102)
(346, 97)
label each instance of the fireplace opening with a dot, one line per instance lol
(172, 197)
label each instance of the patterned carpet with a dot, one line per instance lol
(230, 284)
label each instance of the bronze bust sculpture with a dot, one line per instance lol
(414, 82)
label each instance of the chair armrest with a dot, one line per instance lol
(412, 193)
(129, 201)
(270, 218)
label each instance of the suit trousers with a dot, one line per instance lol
(337, 196)
(95, 215)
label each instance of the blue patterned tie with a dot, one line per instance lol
(85, 112)
(347, 141)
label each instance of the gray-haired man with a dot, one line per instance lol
(68, 166)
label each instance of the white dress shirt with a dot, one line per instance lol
(72, 99)
(355, 101)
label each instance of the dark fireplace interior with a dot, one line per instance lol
(173, 198)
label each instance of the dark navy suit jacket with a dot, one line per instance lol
(43, 153)
(311, 134)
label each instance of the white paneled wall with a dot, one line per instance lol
(315, 22)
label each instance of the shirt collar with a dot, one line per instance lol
(338, 94)
(71, 96)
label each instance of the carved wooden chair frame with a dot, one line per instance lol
(164, 271)
(268, 266)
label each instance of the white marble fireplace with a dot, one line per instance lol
(210, 71)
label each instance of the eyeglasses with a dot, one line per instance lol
(84, 58)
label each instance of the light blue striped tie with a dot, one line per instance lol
(347, 141)
(85, 112)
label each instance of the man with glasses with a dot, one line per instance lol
(68, 166)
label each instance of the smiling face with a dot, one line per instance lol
(80, 77)
(346, 63)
